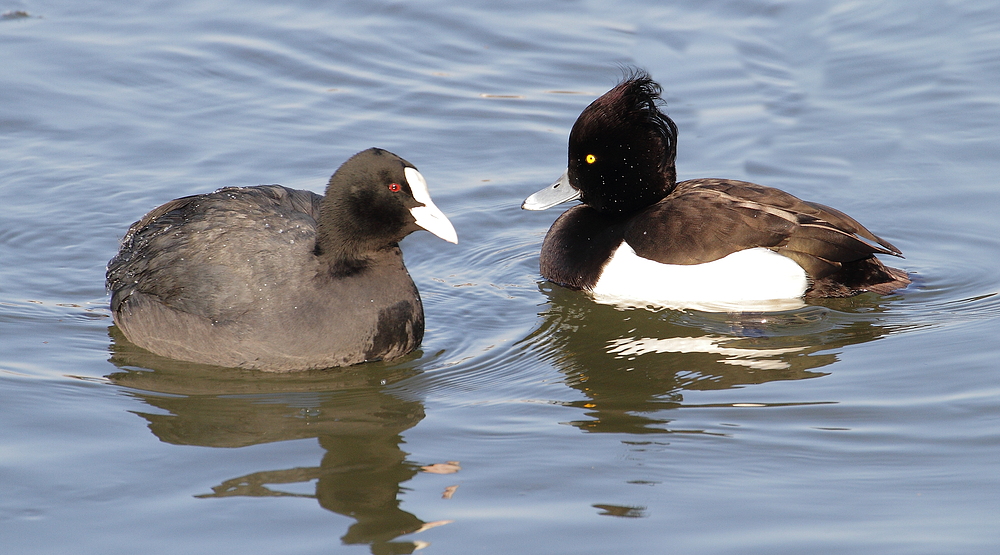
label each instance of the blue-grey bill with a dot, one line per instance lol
(557, 193)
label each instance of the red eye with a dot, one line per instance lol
(394, 187)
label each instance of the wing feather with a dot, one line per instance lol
(678, 230)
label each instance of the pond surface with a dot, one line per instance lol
(864, 425)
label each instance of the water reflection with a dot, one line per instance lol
(356, 421)
(631, 364)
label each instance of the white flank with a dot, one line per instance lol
(428, 216)
(755, 277)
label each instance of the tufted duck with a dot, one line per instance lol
(641, 236)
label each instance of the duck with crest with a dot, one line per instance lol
(639, 235)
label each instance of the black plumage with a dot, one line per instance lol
(621, 162)
(273, 278)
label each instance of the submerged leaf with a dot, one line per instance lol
(449, 467)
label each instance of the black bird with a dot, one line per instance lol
(279, 279)
(641, 236)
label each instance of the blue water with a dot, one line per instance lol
(864, 425)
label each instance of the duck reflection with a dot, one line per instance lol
(632, 363)
(356, 421)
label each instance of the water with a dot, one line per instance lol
(865, 425)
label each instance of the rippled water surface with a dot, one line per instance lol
(865, 425)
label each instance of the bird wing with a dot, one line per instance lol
(706, 219)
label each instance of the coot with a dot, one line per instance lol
(279, 279)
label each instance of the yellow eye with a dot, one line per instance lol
(591, 158)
